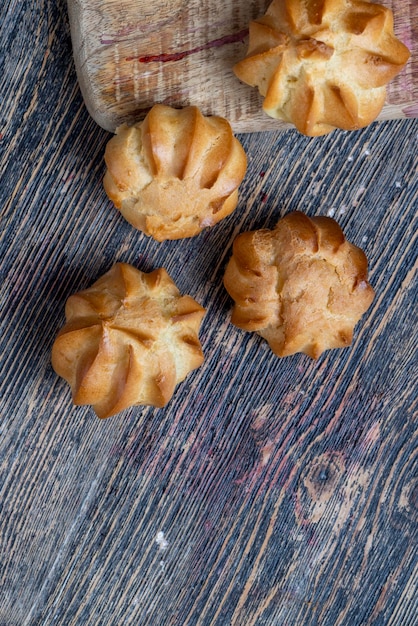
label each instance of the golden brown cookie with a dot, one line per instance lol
(175, 173)
(323, 64)
(128, 340)
(301, 286)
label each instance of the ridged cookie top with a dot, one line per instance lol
(128, 339)
(175, 173)
(301, 286)
(323, 64)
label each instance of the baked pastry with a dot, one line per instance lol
(323, 64)
(175, 173)
(129, 339)
(301, 286)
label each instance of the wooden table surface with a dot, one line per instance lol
(268, 492)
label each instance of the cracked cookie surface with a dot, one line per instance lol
(175, 173)
(129, 339)
(301, 286)
(323, 64)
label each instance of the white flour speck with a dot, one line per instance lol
(367, 152)
(350, 158)
(161, 540)
(331, 212)
(398, 184)
(364, 239)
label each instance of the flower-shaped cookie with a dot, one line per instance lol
(323, 64)
(301, 286)
(129, 339)
(175, 173)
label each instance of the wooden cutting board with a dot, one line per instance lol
(130, 54)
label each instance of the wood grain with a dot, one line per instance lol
(268, 492)
(130, 55)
